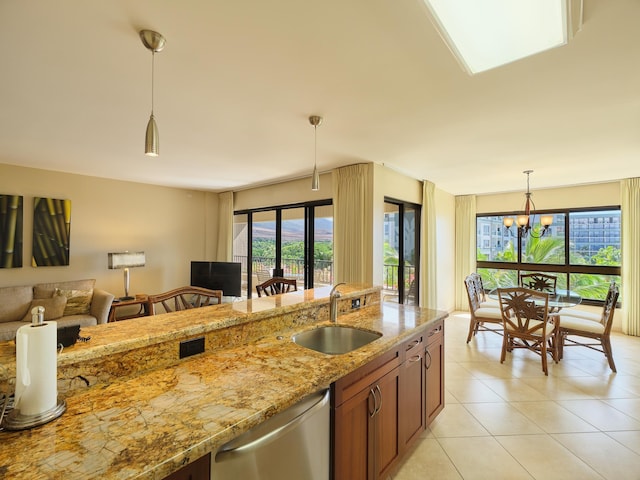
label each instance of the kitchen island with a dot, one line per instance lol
(135, 410)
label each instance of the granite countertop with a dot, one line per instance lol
(149, 425)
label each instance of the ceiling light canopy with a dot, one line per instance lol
(485, 34)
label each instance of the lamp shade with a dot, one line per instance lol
(126, 260)
(152, 138)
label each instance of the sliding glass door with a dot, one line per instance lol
(293, 241)
(401, 252)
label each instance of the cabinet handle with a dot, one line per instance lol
(427, 365)
(380, 394)
(415, 358)
(412, 344)
(372, 393)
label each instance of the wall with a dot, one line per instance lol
(596, 195)
(168, 224)
(286, 193)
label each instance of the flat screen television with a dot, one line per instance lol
(225, 276)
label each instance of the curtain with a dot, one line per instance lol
(465, 246)
(225, 227)
(428, 258)
(352, 223)
(630, 295)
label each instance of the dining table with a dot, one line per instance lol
(558, 300)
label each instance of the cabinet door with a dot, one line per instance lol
(387, 445)
(197, 470)
(353, 427)
(413, 390)
(434, 367)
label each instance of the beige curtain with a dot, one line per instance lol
(428, 258)
(352, 223)
(465, 246)
(630, 209)
(225, 227)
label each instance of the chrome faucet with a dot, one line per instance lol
(334, 295)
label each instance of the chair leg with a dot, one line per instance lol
(505, 340)
(472, 329)
(606, 346)
(543, 352)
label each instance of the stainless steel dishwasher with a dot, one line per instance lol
(293, 444)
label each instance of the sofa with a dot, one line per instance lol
(68, 303)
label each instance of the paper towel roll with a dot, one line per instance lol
(36, 368)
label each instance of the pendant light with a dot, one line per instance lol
(154, 42)
(315, 179)
(524, 221)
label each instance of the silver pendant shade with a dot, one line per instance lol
(154, 42)
(315, 179)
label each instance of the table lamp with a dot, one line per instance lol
(126, 260)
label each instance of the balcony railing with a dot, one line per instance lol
(293, 268)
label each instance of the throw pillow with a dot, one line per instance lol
(53, 307)
(48, 290)
(78, 301)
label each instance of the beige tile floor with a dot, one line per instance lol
(509, 421)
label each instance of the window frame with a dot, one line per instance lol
(565, 269)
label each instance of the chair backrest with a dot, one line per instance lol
(276, 286)
(538, 281)
(263, 275)
(470, 283)
(525, 312)
(184, 298)
(411, 293)
(609, 308)
(480, 293)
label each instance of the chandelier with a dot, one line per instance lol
(525, 220)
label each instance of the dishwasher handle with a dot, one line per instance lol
(251, 445)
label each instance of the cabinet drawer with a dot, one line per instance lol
(435, 333)
(353, 383)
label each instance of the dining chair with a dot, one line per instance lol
(263, 275)
(538, 281)
(276, 286)
(480, 315)
(528, 323)
(484, 300)
(184, 298)
(590, 330)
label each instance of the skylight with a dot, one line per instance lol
(485, 34)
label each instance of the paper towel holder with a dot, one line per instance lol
(14, 420)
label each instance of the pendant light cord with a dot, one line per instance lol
(315, 146)
(153, 57)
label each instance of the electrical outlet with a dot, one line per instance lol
(191, 347)
(355, 303)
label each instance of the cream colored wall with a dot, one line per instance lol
(391, 184)
(285, 193)
(596, 195)
(168, 224)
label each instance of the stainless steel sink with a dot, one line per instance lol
(334, 339)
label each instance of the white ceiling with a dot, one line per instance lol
(238, 79)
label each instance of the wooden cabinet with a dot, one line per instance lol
(434, 371)
(379, 410)
(412, 391)
(199, 469)
(366, 441)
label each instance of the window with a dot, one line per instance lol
(582, 247)
(293, 241)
